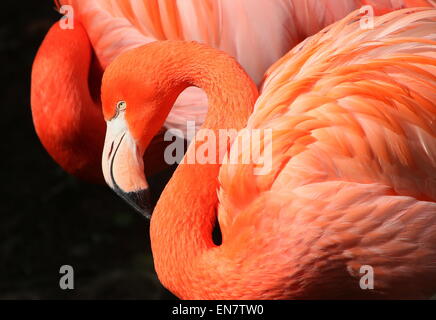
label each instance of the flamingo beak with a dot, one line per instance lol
(123, 167)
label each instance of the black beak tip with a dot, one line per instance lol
(140, 200)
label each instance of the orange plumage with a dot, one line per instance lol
(352, 114)
(67, 70)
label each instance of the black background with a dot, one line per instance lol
(48, 218)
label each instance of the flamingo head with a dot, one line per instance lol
(134, 110)
(122, 162)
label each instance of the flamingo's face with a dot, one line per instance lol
(132, 121)
(122, 162)
(135, 105)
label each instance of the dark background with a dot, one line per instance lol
(48, 218)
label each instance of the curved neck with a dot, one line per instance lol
(183, 220)
(66, 110)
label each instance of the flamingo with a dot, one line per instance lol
(67, 70)
(353, 176)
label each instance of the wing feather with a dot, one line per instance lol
(353, 179)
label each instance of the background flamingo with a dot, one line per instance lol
(354, 164)
(67, 70)
(49, 218)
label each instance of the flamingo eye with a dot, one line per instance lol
(121, 106)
